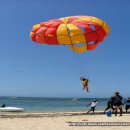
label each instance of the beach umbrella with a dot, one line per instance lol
(78, 33)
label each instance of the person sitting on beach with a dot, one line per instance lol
(116, 102)
(109, 106)
(85, 83)
(93, 105)
(127, 104)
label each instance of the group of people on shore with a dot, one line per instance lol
(114, 103)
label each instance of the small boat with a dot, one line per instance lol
(11, 109)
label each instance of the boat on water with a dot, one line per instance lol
(11, 109)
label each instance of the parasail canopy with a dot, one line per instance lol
(79, 33)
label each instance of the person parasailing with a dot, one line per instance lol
(85, 83)
(78, 33)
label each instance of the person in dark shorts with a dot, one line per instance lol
(109, 106)
(93, 105)
(127, 104)
(116, 102)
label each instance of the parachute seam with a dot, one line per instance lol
(67, 30)
(101, 27)
(67, 35)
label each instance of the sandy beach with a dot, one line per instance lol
(59, 120)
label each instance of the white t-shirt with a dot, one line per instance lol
(93, 104)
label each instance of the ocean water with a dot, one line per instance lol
(40, 104)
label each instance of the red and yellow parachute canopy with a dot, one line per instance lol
(79, 33)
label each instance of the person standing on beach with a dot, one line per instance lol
(93, 105)
(109, 106)
(127, 104)
(116, 102)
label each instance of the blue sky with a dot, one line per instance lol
(30, 69)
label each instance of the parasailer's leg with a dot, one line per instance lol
(87, 88)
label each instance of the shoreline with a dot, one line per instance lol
(50, 114)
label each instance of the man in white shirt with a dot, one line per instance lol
(93, 105)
